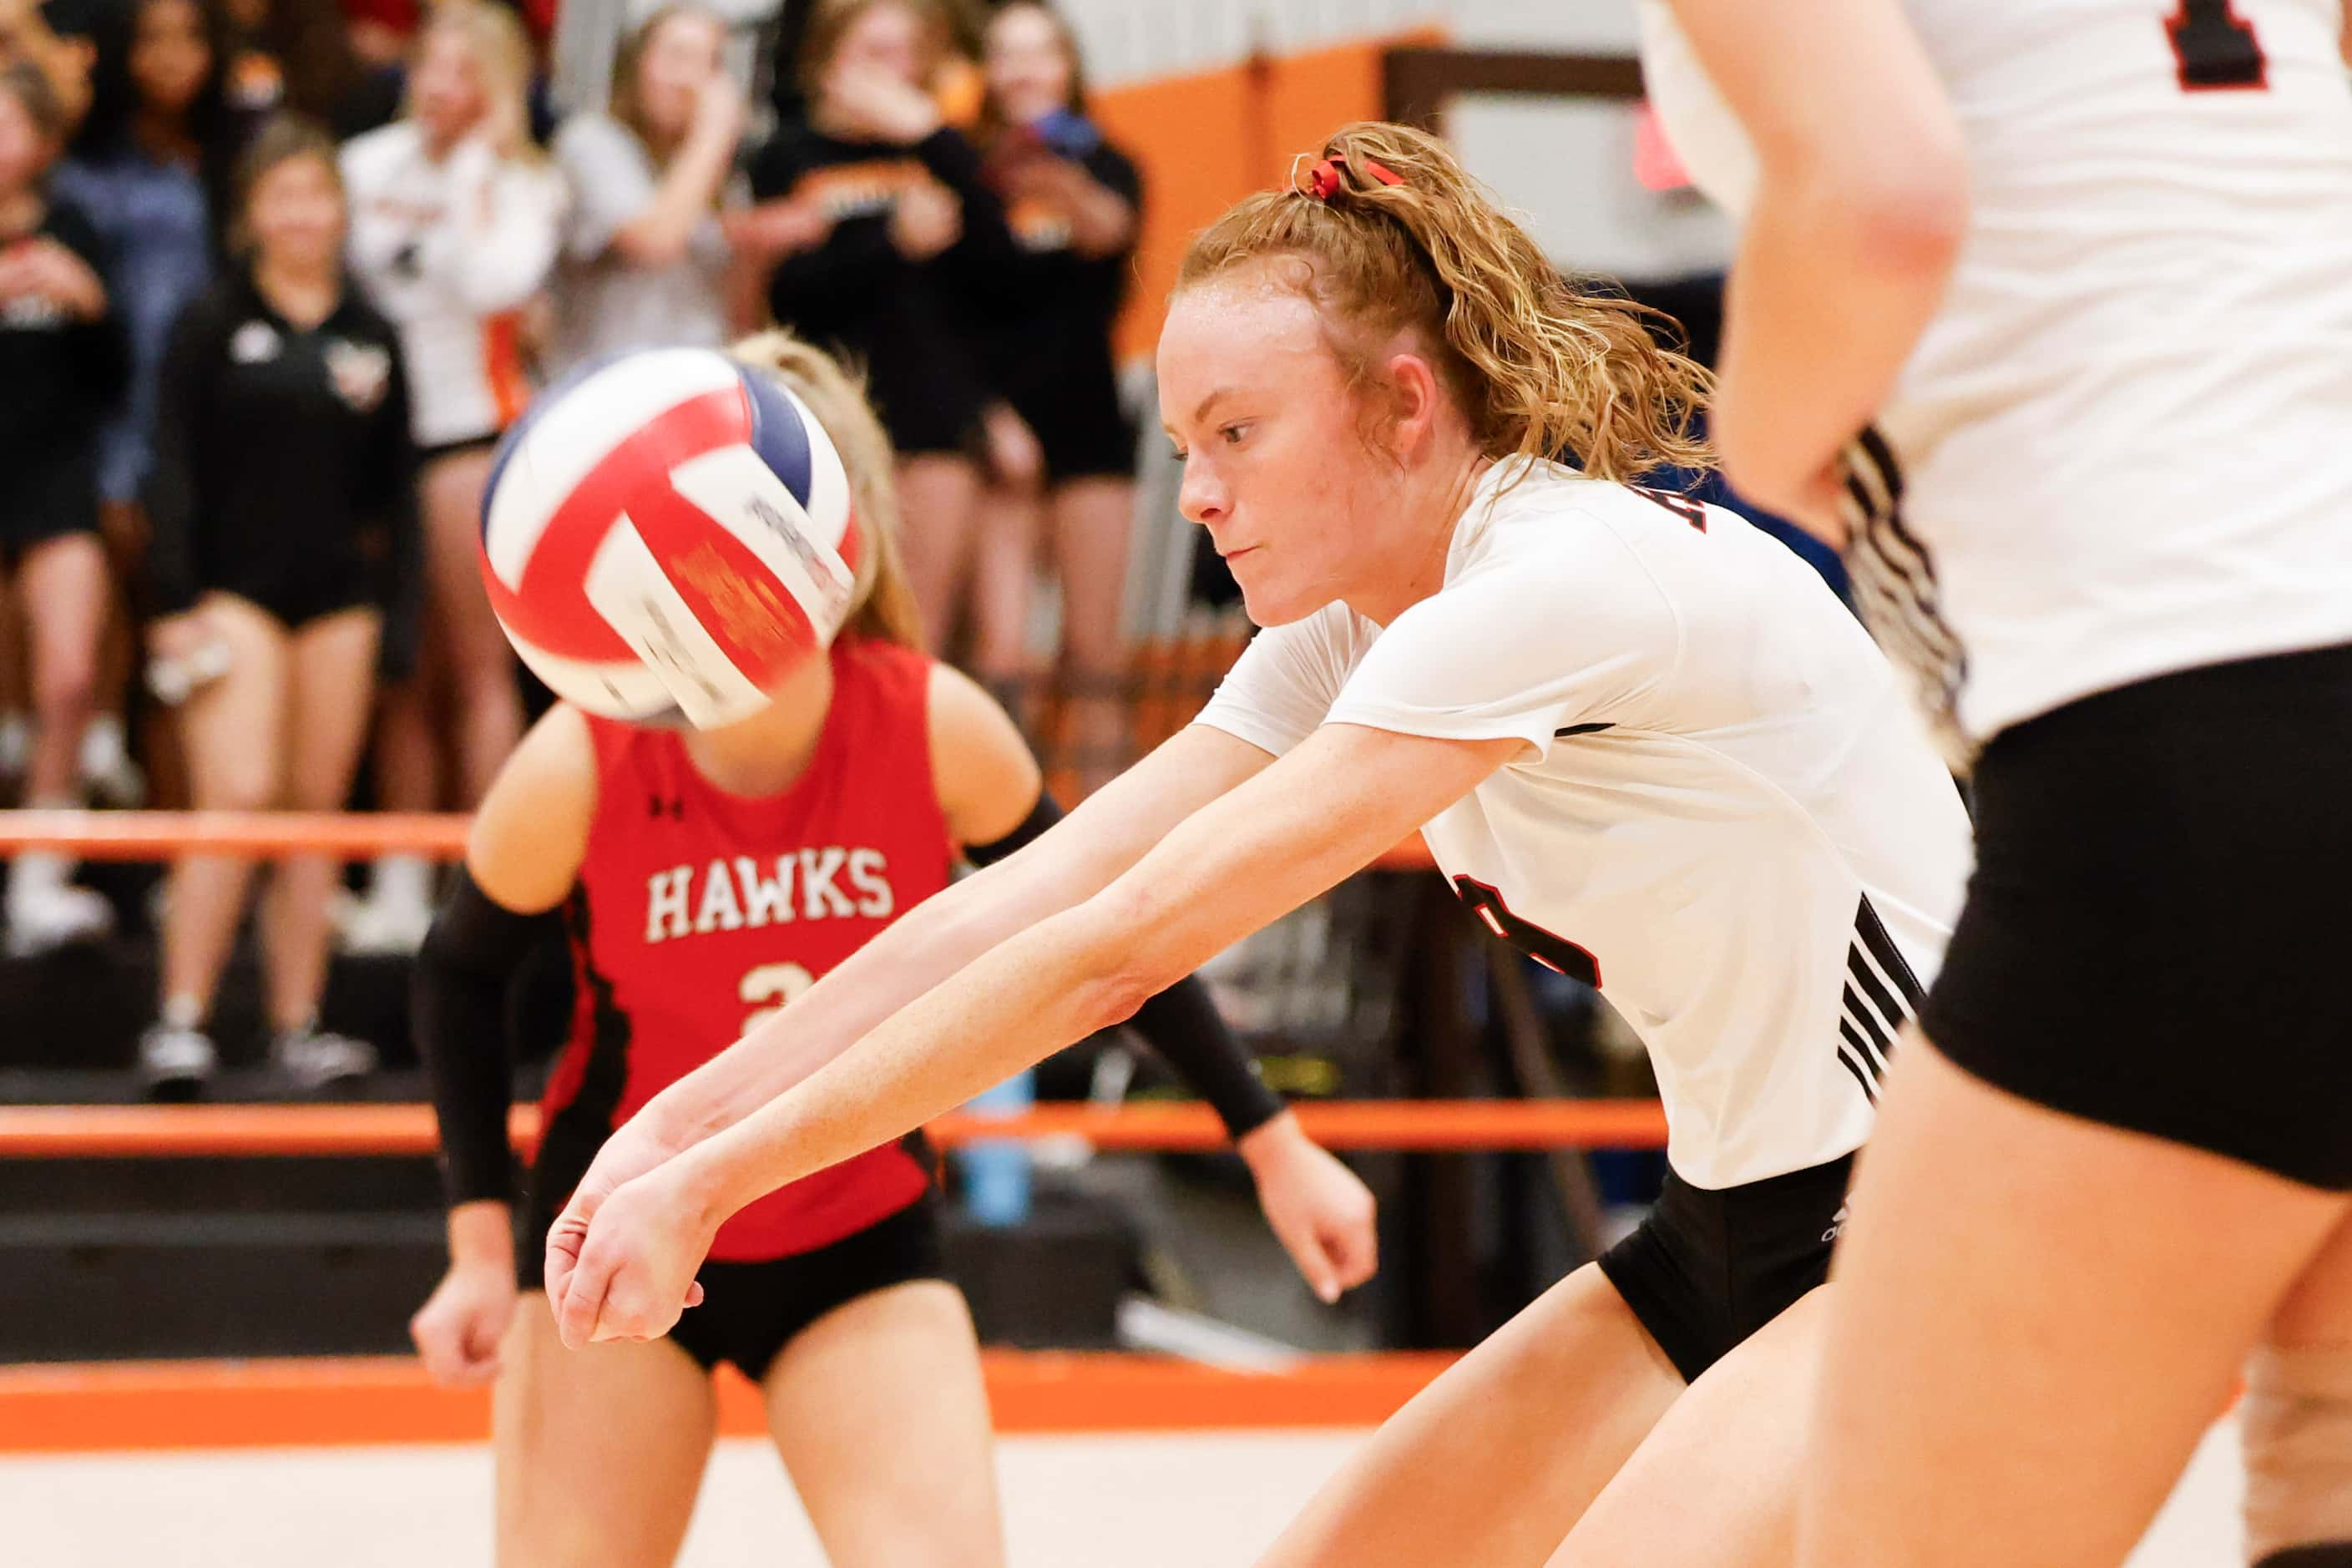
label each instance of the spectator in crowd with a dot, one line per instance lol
(913, 231)
(150, 170)
(1073, 201)
(57, 38)
(284, 504)
(297, 55)
(62, 364)
(456, 219)
(647, 247)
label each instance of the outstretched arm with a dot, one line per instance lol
(929, 942)
(1255, 852)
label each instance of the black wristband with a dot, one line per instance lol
(457, 1009)
(1183, 1024)
(1042, 816)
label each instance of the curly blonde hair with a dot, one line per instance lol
(1544, 367)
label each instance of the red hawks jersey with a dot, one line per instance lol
(698, 913)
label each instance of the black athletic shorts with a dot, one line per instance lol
(750, 1311)
(1079, 425)
(1705, 1270)
(296, 592)
(2154, 935)
(48, 496)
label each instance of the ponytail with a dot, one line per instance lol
(1390, 234)
(882, 606)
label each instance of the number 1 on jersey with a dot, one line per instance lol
(2217, 47)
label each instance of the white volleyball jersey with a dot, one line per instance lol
(450, 250)
(2125, 445)
(1726, 815)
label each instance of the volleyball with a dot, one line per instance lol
(666, 535)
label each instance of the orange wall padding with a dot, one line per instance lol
(1204, 142)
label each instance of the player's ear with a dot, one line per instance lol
(1416, 401)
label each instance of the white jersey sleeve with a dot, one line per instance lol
(1283, 685)
(1526, 646)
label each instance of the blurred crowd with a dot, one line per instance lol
(275, 275)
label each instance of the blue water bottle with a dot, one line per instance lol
(996, 1170)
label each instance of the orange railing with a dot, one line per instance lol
(116, 1131)
(161, 835)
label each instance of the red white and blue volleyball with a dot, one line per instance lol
(666, 535)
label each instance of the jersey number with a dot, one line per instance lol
(1691, 512)
(774, 984)
(2217, 47)
(1554, 953)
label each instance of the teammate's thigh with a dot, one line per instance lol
(332, 694)
(600, 1451)
(1715, 1484)
(881, 1417)
(1094, 518)
(2035, 1318)
(1495, 1461)
(233, 727)
(939, 497)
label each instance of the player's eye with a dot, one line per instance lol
(1232, 434)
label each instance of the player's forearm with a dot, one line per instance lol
(926, 945)
(1834, 281)
(1048, 986)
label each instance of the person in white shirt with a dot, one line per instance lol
(2088, 265)
(1643, 742)
(456, 218)
(652, 244)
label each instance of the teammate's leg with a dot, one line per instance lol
(1004, 573)
(1987, 1396)
(881, 1417)
(479, 661)
(66, 593)
(331, 679)
(1715, 1484)
(1495, 1461)
(600, 1452)
(1093, 520)
(2298, 1417)
(939, 497)
(230, 730)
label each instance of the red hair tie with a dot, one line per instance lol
(1329, 177)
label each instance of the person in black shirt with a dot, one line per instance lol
(916, 236)
(284, 505)
(62, 364)
(1073, 202)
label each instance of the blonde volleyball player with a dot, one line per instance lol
(2089, 263)
(1626, 721)
(672, 858)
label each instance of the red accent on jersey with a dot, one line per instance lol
(696, 910)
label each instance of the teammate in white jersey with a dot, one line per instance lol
(1648, 745)
(2089, 264)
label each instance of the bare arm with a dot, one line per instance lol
(1103, 838)
(1253, 854)
(1860, 208)
(664, 229)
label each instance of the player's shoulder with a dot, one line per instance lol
(1548, 522)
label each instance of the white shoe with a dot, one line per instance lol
(174, 1060)
(385, 925)
(45, 917)
(315, 1058)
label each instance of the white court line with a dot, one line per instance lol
(1190, 1500)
